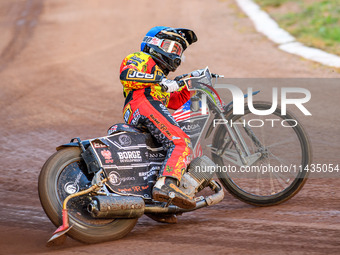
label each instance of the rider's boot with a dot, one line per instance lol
(166, 189)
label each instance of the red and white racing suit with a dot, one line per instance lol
(147, 105)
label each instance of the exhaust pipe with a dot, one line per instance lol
(109, 207)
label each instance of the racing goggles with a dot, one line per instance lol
(166, 45)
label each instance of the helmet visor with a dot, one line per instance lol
(172, 47)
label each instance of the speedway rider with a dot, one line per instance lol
(143, 74)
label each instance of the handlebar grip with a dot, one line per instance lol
(164, 88)
(214, 75)
(181, 83)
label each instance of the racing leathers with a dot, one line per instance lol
(146, 105)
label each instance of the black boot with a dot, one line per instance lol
(166, 188)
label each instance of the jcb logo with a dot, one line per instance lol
(139, 75)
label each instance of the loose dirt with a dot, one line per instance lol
(59, 79)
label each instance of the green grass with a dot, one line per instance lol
(272, 3)
(315, 23)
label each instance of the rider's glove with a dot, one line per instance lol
(170, 85)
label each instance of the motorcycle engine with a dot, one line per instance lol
(198, 176)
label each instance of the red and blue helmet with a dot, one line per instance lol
(166, 45)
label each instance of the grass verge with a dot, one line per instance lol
(315, 23)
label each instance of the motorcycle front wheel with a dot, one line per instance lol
(285, 151)
(65, 173)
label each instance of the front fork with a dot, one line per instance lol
(243, 156)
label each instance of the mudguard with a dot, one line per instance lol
(120, 127)
(84, 143)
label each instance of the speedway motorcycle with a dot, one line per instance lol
(97, 189)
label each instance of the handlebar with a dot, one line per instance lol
(181, 83)
(177, 78)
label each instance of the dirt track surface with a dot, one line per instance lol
(59, 63)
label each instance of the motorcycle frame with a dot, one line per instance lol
(220, 109)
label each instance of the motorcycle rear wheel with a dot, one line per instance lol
(285, 146)
(65, 173)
